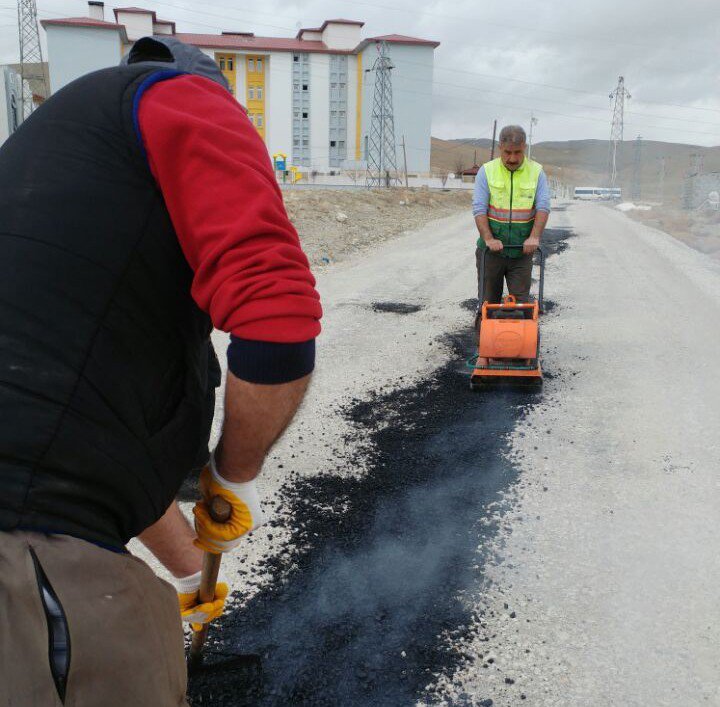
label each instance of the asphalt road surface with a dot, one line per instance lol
(431, 545)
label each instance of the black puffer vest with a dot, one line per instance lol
(104, 395)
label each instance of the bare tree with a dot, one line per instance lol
(459, 166)
(444, 177)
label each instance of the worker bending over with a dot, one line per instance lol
(138, 208)
(511, 205)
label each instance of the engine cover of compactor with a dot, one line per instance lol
(508, 346)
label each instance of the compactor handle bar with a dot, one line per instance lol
(541, 283)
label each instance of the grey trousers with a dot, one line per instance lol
(125, 635)
(517, 272)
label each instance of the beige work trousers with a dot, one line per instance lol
(126, 638)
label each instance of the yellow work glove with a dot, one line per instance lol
(191, 610)
(246, 511)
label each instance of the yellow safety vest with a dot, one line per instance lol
(511, 209)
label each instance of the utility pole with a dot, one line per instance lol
(697, 164)
(492, 149)
(533, 122)
(661, 179)
(407, 186)
(636, 192)
(32, 71)
(381, 152)
(618, 96)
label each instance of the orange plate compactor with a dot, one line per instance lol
(509, 341)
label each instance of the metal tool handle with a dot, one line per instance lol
(220, 511)
(541, 283)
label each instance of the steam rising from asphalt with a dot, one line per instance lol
(372, 597)
(386, 562)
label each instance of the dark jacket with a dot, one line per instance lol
(104, 395)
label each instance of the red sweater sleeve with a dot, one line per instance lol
(251, 275)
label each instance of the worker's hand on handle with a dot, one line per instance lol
(246, 511)
(494, 245)
(191, 610)
(531, 244)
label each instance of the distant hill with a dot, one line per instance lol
(585, 162)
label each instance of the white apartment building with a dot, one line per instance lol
(309, 96)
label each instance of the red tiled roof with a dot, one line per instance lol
(244, 41)
(341, 22)
(83, 22)
(135, 11)
(326, 23)
(403, 39)
(278, 44)
(307, 29)
(165, 22)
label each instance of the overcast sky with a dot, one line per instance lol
(559, 59)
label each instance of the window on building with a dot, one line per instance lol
(333, 143)
(251, 93)
(252, 117)
(221, 63)
(230, 63)
(259, 66)
(342, 85)
(341, 144)
(296, 57)
(305, 87)
(333, 85)
(251, 65)
(296, 142)
(305, 115)
(342, 113)
(260, 120)
(259, 93)
(305, 143)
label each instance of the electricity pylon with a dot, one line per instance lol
(618, 96)
(32, 71)
(382, 164)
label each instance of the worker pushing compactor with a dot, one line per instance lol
(511, 205)
(138, 208)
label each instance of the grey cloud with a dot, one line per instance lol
(666, 51)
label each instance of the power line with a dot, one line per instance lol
(523, 29)
(453, 69)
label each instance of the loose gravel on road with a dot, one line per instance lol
(367, 601)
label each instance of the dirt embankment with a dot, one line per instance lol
(698, 229)
(333, 224)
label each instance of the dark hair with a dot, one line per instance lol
(514, 134)
(149, 49)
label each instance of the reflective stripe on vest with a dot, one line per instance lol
(511, 208)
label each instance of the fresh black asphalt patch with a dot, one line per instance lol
(396, 307)
(368, 601)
